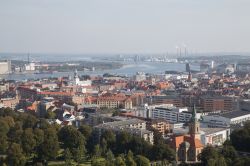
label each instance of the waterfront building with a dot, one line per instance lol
(5, 67)
(30, 67)
(79, 82)
(140, 76)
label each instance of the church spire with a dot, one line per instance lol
(194, 125)
(75, 73)
(194, 117)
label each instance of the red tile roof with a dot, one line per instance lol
(194, 142)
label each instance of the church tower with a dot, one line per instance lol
(194, 125)
(189, 76)
(76, 77)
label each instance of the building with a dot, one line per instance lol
(243, 67)
(5, 67)
(159, 125)
(165, 99)
(79, 82)
(204, 67)
(215, 103)
(114, 101)
(140, 76)
(9, 102)
(30, 67)
(225, 68)
(244, 105)
(171, 114)
(214, 136)
(189, 146)
(188, 67)
(226, 119)
(132, 126)
(4, 87)
(26, 92)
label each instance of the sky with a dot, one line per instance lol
(124, 26)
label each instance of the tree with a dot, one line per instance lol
(139, 146)
(243, 161)
(43, 124)
(86, 131)
(98, 162)
(50, 146)
(110, 138)
(67, 157)
(7, 112)
(221, 162)
(208, 153)
(104, 146)
(122, 141)
(97, 151)
(130, 162)
(38, 136)
(229, 154)
(50, 115)
(110, 158)
(72, 139)
(15, 133)
(9, 120)
(240, 138)
(142, 161)
(161, 152)
(28, 141)
(78, 154)
(119, 161)
(130, 159)
(211, 162)
(29, 121)
(158, 139)
(15, 155)
(4, 127)
(3, 143)
(92, 141)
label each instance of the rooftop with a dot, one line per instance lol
(122, 123)
(234, 114)
(212, 130)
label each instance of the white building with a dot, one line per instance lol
(140, 76)
(30, 67)
(171, 114)
(5, 67)
(226, 119)
(79, 82)
(214, 136)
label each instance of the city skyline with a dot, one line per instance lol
(115, 27)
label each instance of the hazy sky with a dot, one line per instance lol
(124, 26)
